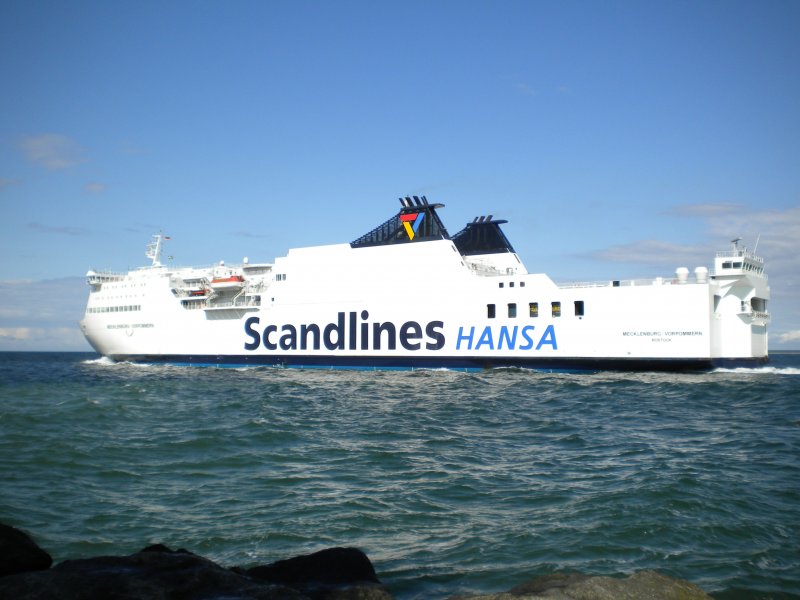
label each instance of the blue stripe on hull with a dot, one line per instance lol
(451, 362)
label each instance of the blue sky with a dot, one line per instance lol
(620, 139)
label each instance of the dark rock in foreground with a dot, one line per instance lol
(322, 573)
(334, 566)
(141, 576)
(648, 585)
(158, 573)
(19, 553)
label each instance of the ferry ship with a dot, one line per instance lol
(409, 295)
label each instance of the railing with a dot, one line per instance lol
(241, 303)
(739, 254)
(486, 270)
(755, 314)
(626, 283)
(103, 276)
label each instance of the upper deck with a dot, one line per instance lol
(739, 261)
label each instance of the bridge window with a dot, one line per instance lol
(512, 311)
(533, 309)
(578, 308)
(490, 312)
(556, 308)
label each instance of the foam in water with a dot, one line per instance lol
(761, 370)
(450, 481)
(103, 360)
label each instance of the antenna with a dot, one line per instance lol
(153, 251)
(758, 239)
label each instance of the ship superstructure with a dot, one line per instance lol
(407, 294)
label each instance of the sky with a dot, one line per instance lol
(620, 139)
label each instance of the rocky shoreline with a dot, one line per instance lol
(158, 572)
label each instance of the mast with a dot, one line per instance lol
(153, 251)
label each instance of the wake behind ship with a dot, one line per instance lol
(409, 295)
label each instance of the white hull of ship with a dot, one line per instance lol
(425, 306)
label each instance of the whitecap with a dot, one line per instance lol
(760, 370)
(103, 361)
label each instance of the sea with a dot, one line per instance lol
(451, 482)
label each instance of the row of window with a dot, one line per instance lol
(113, 309)
(747, 266)
(533, 309)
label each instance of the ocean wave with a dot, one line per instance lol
(760, 370)
(613, 471)
(102, 361)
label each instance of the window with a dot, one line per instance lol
(578, 308)
(556, 307)
(490, 311)
(533, 309)
(511, 284)
(512, 311)
(521, 284)
(501, 284)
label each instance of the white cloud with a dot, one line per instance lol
(655, 253)
(15, 333)
(52, 150)
(777, 233)
(789, 336)
(42, 315)
(95, 187)
(24, 339)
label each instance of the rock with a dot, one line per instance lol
(644, 585)
(19, 553)
(150, 575)
(334, 565)
(157, 572)
(332, 574)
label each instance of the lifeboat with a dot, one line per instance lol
(230, 282)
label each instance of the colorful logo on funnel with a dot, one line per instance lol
(412, 221)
